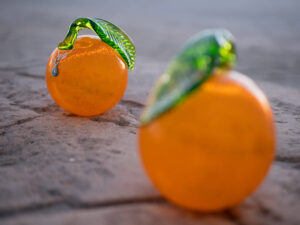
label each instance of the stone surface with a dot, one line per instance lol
(56, 168)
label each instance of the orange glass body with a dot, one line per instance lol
(92, 77)
(212, 150)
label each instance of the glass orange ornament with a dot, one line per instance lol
(88, 75)
(207, 136)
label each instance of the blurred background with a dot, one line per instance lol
(267, 31)
(56, 168)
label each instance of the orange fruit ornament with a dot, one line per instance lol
(207, 135)
(88, 75)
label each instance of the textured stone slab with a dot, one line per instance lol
(56, 168)
(53, 161)
(128, 214)
(286, 109)
(275, 203)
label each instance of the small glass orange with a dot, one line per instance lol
(88, 75)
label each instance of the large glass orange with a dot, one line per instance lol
(211, 151)
(92, 77)
(207, 134)
(88, 75)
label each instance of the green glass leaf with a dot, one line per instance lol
(108, 33)
(195, 63)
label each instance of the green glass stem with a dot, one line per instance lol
(107, 32)
(78, 24)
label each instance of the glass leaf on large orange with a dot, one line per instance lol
(194, 64)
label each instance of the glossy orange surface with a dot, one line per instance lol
(91, 79)
(212, 150)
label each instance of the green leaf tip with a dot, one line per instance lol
(200, 57)
(107, 32)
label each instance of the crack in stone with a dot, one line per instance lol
(39, 110)
(24, 74)
(73, 204)
(281, 121)
(121, 123)
(233, 217)
(267, 212)
(19, 122)
(297, 166)
(288, 159)
(12, 68)
(133, 108)
(132, 103)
